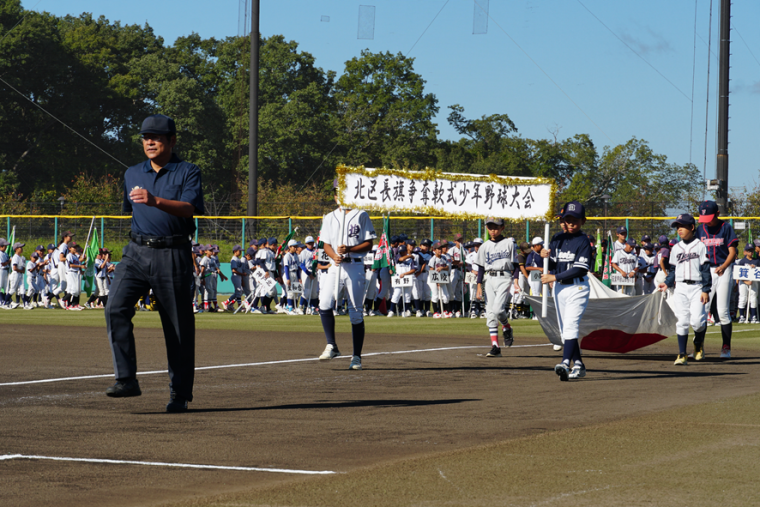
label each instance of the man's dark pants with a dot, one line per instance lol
(169, 272)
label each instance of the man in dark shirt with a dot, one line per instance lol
(162, 193)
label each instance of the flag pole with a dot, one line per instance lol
(92, 223)
(545, 296)
(337, 275)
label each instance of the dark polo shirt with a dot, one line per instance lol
(177, 181)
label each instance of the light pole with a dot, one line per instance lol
(606, 198)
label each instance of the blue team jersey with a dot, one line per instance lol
(570, 251)
(534, 260)
(717, 240)
(748, 262)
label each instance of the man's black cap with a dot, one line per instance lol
(158, 124)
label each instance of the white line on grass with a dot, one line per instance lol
(264, 363)
(160, 464)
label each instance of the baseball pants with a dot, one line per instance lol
(421, 290)
(689, 308)
(310, 287)
(103, 286)
(237, 284)
(721, 291)
(401, 291)
(497, 291)
(351, 283)
(570, 302)
(439, 292)
(385, 283)
(748, 292)
(456, 286)
(209, 291)
(370, 291)
(16, 284)
(4, 281)
(73, 283)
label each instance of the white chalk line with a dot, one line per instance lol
(161, 464)
(263, 363)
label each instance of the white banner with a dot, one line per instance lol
(618, 279)
(470, 278)
(535, 276)
(296, 287)
(439, 277)
(402, 281)
(446, 194)
(746, 272)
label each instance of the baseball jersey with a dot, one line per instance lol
(266, 258)
(617, 247)
(424, 260)
(52, 261)
(689, 262)
(717, 240)
(290, 265)
(210, 264)
(626, 261)
(18, 262)
(471, 260)
(237, 265)
(570, 255)
(72, 259)
(31, 273)
(3, 259)
(101, 267)
(357, 229)
(436, 261)
(748, 262)
(455, 253)
(496, 255)
(406, 265)
(63, 248)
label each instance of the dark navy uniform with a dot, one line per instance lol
(158, 257)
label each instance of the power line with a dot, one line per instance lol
(693, 74)
(745, 43)
(20, 20)
(633, 50)
(707, 99)
(543, 71)
(61, 122)
(426, 29)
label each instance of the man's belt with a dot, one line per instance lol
(160, 241)
(572, 281)
(499, 274)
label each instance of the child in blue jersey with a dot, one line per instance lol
(569, 257)
(236, 267)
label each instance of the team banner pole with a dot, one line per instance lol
(337, 277)
(92, 223)
(545, 297)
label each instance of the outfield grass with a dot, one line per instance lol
(744, 335)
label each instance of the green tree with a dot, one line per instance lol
(384, 116)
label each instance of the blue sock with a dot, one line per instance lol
(683, 339)
(314, 303)
(290, 302)
(570, 351)
(357, 333)
(753, 313)
(328, 324)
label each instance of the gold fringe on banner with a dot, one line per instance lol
(429, 174)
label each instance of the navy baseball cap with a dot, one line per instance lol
(158, 124)
(494, 220)
(673, 242)
(749, 248)
(39, 248)
(236, 248)
(272, 241)
(411, 242)
(574, 209)
(663, 239)
(622, 230)
(426, 242)
(402, 237)
(645, 238)
(394, 239)
(684, 219)
(648, 246)
(707, 211)
(4, 242)
(631, 242)
(250, 251)
(51, 246)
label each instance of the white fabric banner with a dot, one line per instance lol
(446, 194)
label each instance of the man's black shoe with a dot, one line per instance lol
(124, 389)
(177, 404)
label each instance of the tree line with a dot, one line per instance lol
(103, 78)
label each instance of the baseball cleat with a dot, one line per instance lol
(419, 314)
(579, 371)
(557, 347)
(124, 389)
(681, 360)
(356, 363)
(494, 352)
(390, 315)
(508, 335)
(562, 371)
(436, 315)
(725, 352)
(329, 353)
(473, 315)
(699, 351)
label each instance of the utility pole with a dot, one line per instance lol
(722, 165)
(253, 118)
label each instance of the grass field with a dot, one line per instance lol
(429, 421)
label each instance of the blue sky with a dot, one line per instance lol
(602, 87)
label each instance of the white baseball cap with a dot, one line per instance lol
(308, 239)
(478, 241)
(292, 242)
(538, 241)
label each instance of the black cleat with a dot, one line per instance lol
(124, 389)
(495, 352)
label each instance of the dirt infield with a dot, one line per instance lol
(400, 416)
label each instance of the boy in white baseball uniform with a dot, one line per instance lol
(346, 248)
(310, 295)
(690, 271)
(405, 267)
(236, 268)
(626, 262)
(747, 290)
(74, 266)
(495, 258)
(440, 292)
(290, 274)
(18, 268)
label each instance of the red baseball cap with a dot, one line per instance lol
(707, 211)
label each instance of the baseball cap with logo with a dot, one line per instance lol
(663, 239)
(494, 220)
(574, 209)
(707, 211)
(622, 230)
(645, 238)
(648, 246)
(749, 248)
(51, 246)
(478, 241)
(158, 124)
(308, 240)
(537, 241)
(631, 242)
(684, 219)
(673, 241)
(250, 251)
(272, 241)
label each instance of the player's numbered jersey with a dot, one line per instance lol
(436, 261)
(570, 251)
(626, 261)
(406, 266)
(71, 260)
(291, 261)
(686, 258)
(357, 228)
(497, 255)
(717, 240)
